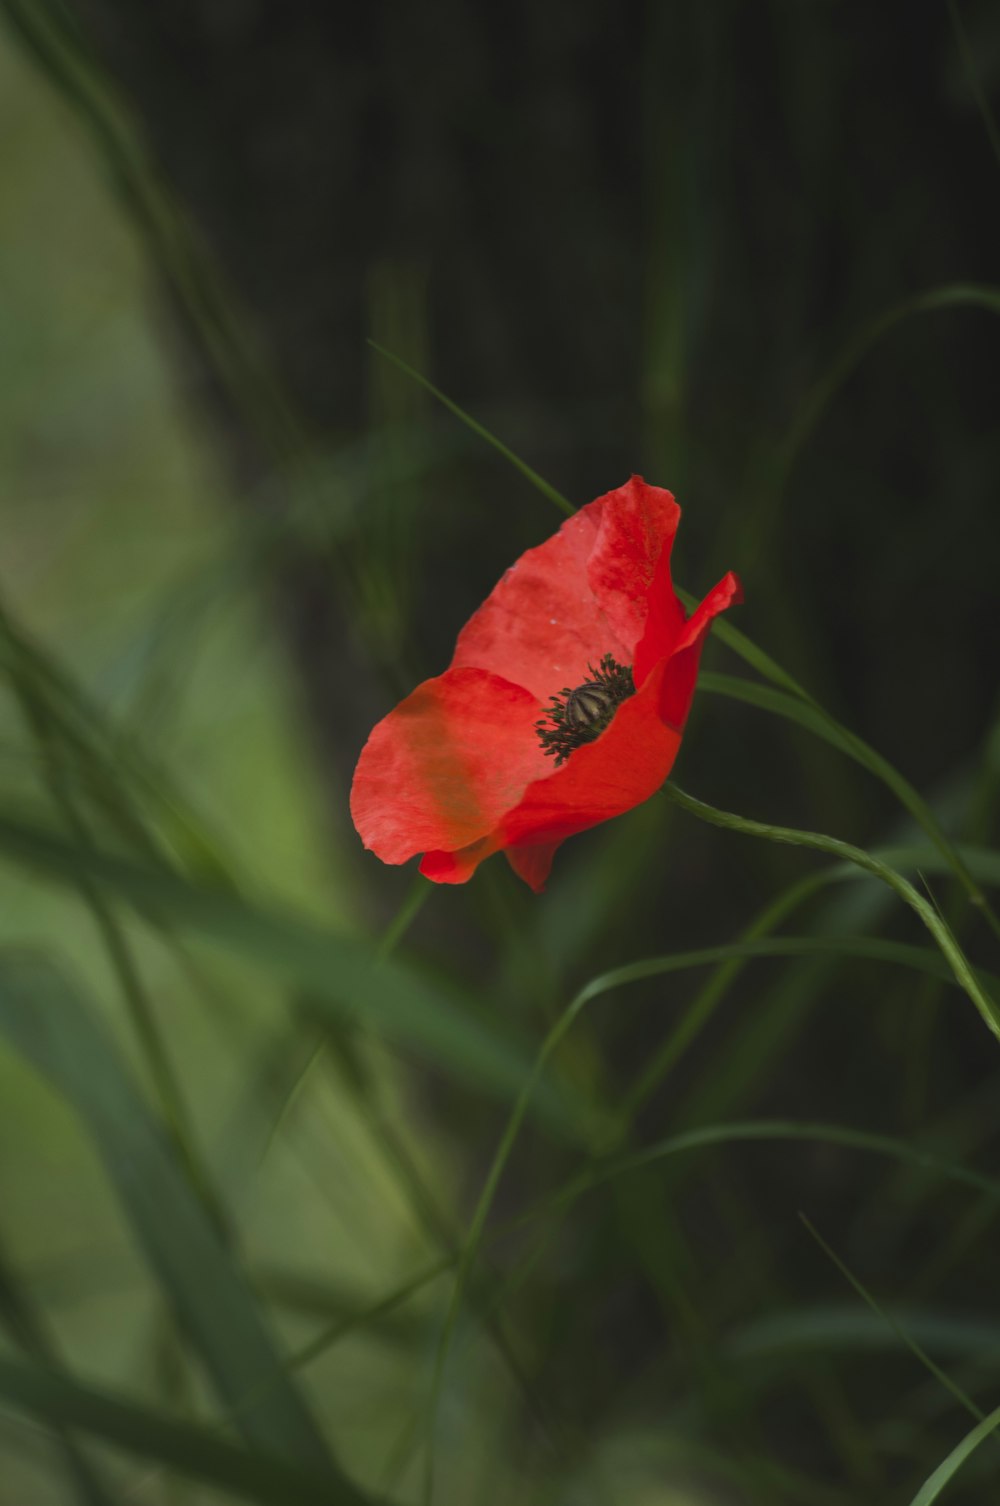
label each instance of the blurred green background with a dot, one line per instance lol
(746, 249)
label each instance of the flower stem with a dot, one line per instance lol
(792, 837)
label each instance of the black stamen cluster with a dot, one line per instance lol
(579, 715)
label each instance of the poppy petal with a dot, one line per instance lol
(438, 773)
(727, 593)
(629, 761)
(532, 863)
(456, 867)
(540, 625)
(677, 690)
(584, 593)
(629, 569)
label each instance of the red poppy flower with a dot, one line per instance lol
(563, 706)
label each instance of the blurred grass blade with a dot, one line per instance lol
(225, 336)
(832, 1328)
(342, 976)
(972, 74)
(117, 777)
(194, 1452)
(954, 295)
(949, 1468)
(53, 1027)
(612, 1168)
(57, 779)
(766, 1131)
(477, 1226)
(25, 1325)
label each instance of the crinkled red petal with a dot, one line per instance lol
(439, 772)
(678, 688)
(584, 593)
(629, 761)
(629, 569)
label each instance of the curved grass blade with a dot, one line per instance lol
(972, 73)
(983, 863)
(24, 1323)
(728, 960)
(52, 1026)
(195, 1453)
(868, 948)
(954, 295)
(708, 998)
(825, 1328)
(800, 707)
(766, 1130)
(779, 702)
(988, 1009)
(591, 991)
(290, 1291)
(949, 1467)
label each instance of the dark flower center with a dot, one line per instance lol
(580, 716)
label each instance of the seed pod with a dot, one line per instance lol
(586, 706)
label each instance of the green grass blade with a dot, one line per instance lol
(341, 974)
(843, 1327)
(767, 1131)
(480, 1215)
(767, 698)
(536, 480)
(987, 1007)
(477, 1225)
(896, 1327)
(972, 74)
(72, 69)
(49, 1024)
(801, 708)
(57, 780)
(19, 1316)
(868, 948)
(955, 295)
(346, 1320)
(749, 652)
(728, 959)
(708, 998)
(195, 1453)
(949, 1467)
(118, 778)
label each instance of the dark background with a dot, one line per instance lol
(633, 238)
(669, 239)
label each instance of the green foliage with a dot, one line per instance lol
(318, 1188)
